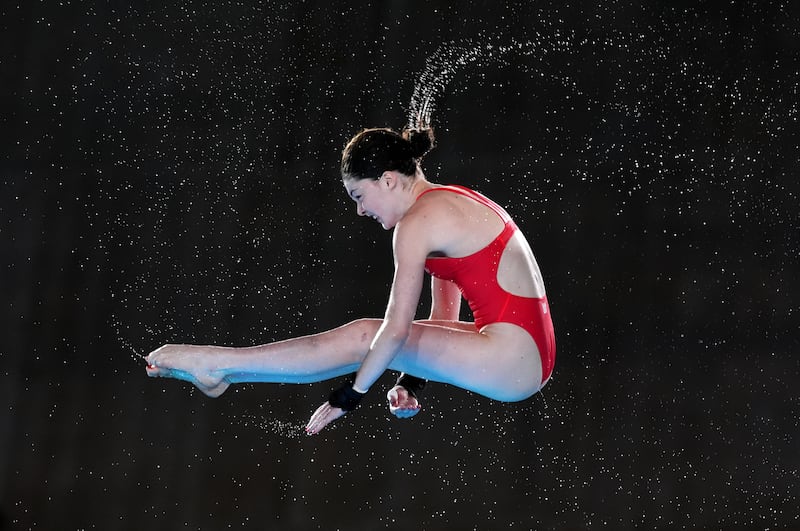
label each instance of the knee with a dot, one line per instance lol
(363, 330)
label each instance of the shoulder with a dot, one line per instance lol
(434, 210)
(434, 218)
(413, 233)
(439, 203)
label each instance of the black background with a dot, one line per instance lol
(169, 173)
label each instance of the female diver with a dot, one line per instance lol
(470, 247)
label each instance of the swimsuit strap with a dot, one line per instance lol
(472, 194)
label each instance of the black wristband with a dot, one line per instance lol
(345, 397)
(412, 384)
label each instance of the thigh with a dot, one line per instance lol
(458, 325)
(501, 361)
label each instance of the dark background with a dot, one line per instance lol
(169, 173)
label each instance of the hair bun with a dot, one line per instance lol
(422, 141)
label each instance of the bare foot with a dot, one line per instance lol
(189, 363)
(402, 404)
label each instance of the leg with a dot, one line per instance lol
(303, 359)
(403, 397)
(501, 361)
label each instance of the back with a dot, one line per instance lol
(480, 237)
(500, 280)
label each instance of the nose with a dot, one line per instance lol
(360, 210)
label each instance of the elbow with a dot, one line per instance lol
(397, 332)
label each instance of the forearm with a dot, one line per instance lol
(383, 350)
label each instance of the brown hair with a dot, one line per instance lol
(374, 151)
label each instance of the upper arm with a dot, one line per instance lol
(411, 248)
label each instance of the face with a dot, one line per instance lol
(372, 199)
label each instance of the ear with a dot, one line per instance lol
(389, 178)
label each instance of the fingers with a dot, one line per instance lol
(401, 403)
(394, 399)
(324, 415)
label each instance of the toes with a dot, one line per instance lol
(153, 371)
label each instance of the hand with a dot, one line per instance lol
(402, 404)
(324, 415)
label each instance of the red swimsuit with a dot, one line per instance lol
(476, 277)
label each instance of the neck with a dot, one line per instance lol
(420, 185)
